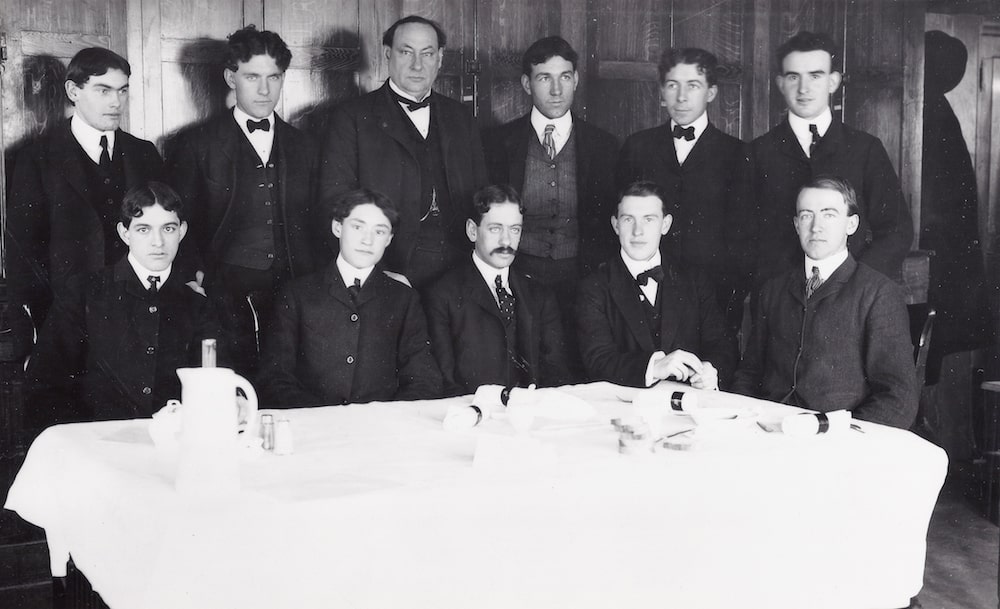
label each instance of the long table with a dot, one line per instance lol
(380, 507)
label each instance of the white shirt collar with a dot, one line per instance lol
(638, 266)
(143, 273)
(90, 138)
(563, 127)
(242, 118)
(699, 124)
(403, 93)
(490, 273)
(259, 139)
(348, 272)
(800, 127)
(827, 265)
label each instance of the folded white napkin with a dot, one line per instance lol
(677, 401)
(166, 425)
(810, 423)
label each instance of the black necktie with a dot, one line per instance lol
(655, 273)
(505, 300)
(354, 290)
(263, 124)
(153, 280)
(409, 103)
(105, 161)
(683, 132)
(814, 130)
(813, 282)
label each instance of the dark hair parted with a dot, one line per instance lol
(390, 34)
(95, 61)
(643, 188)
(545, 49)
(346, 203)
(248, 42)
(140, 197)
(706, 63)
(494, 194)
(803, 42)
(838, 184)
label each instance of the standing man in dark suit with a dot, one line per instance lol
(833, 334)
(250, 180)
(421, 149)
(562, 166)
(642, 319)
(811, 142)
(705, 170)
(489, 324)
(67, 187)
(351, 333)
(114, 339)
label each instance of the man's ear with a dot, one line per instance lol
(853, 222)
(183, 229)
(72, 91)
(387, 51)
(526, 83)
(230, 77)
(712, 92)
(668, 220)
(614, 224)
(337, 227)
(122, 232)
(470, 230)
(835, 79)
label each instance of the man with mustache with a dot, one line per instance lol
(67, 187)
(811, 142)
(490, 324)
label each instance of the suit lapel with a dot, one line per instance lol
(788, 144)
(68, 156)
(527, 346)
(517, 150)
(478, 292)
(834, 282)
(830, 142)
(623, 292)
(699, 155)
(394, 124)
(336, 288)
(669, 302)
(663, 147)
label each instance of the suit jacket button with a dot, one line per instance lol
(354, 317)
(350, 359)
(152, 309)
(150, 350)
(146, 391)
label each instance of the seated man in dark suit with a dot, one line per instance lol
(114, 338)
(641, 320)
(489, 324)
(834, 334)
(349, 333)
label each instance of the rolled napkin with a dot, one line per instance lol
(677, 401)
(166, 425)
(461, 417)
(814, 423)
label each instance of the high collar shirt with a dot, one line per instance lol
(826, 266)
(683, 146)
(261, 140)
(563, 127)
(421, 118)
(143, 273)
(490, 273)
(349, 273)
(800, 127)
(90, 138)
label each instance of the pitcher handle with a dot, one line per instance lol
(251, 428)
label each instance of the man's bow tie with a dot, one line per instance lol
(655, 273)
(410, 104)
(683, 132)
(263, 124)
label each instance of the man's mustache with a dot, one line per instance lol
(504, 250)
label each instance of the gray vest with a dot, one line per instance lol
(551, 229)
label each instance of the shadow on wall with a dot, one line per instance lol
(949, 222)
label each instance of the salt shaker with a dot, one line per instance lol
(267, 431)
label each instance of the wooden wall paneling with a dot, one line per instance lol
(988, 136)
(573, 27)
(762, 71)
(912, 127)
(325, 40)
(506, 28)
(625, 39)
(720, 29)
(873, 91)
(457, 17)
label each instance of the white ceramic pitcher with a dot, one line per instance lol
(210, 438)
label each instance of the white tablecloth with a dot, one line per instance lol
(380, 507)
